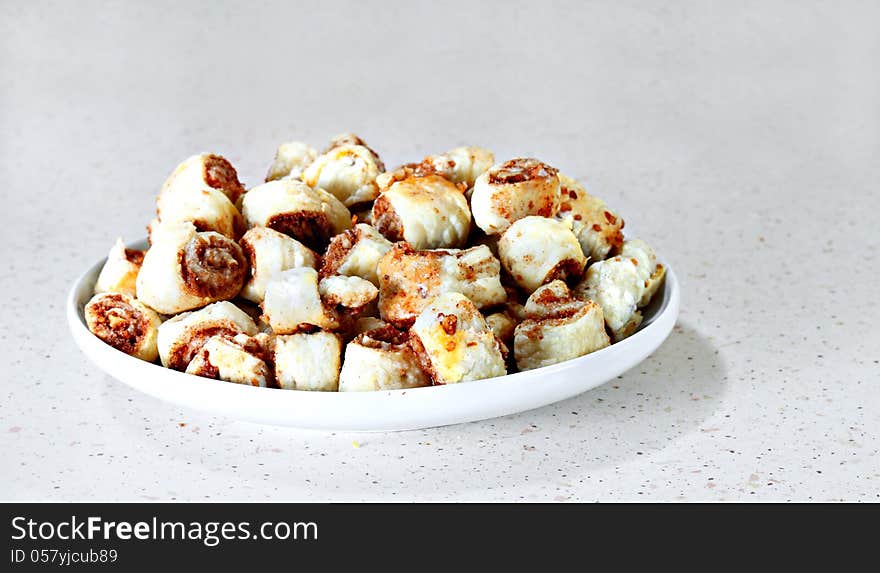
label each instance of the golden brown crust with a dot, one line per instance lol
(409, 279)
(519, 170)
(422, 268)
(606, 224)
(212, 266)
(411, 171)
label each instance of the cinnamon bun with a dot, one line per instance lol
(348, 171)
(427, 212)
(409, 279)
(622, 285)
(182, 336)
(270, 252)
(124, 323)
(513, 190)
(599, 230)
(381, 359)
(356, 252)
(205, 170)
(240, 359)
(454, 343)
(537, 250)
(308, 361)
(293, 303)
(290, 160)
(119, 273)
(185, 269)
(311, 216)
(207, 208)
(558, 327)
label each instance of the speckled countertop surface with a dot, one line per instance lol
(743, 142)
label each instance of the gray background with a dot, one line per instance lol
(740, 138)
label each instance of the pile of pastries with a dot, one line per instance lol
(339, 275)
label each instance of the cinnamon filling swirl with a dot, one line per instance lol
(182, 354)
(311, 228)
(220, 174)
(118, 323)
(213, 266)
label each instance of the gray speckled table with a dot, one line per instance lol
(743, 141)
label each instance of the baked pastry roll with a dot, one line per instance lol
(409, 279)
(293, 303)
(311, 216)
(268, 253)
(206, 208)
(290, 160)
(239, 360)
(502, 325)
(599, 229)
(559, 327)
(513, 190)
(461, 165)
(638, 251)
(381, 359)
(308, 361)
(551, 299)
(354, 139)
(124, 323)
(652, 285)
(204, 170)
(182, 336)
(350, 292)
(347, 171)
(454, 343)
(622, 285)
(367, 323)
(356, 253)
(537, 250)
(427, 212)
(119, 273)
(185, 269)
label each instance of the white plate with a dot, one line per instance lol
(382, 410)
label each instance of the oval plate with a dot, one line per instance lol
(381, 410)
